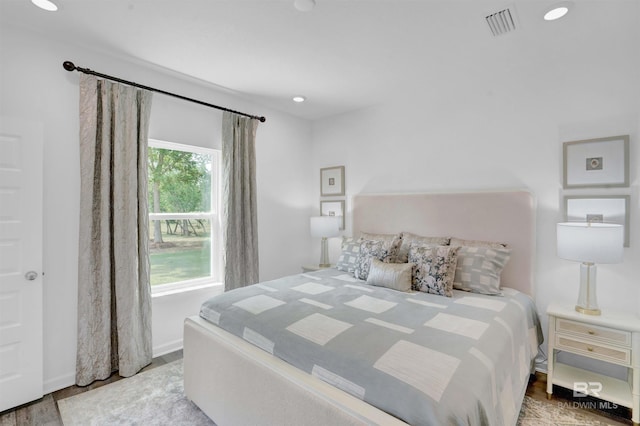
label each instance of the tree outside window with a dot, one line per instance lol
(183, 205)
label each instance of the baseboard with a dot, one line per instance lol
(58, 383)
(66, 380)
(166, 348)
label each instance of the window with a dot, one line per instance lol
(184, 216)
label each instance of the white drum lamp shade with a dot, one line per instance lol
(325, 227)
(590, 243)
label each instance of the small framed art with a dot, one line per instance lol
(596, 163)
(332, 181)
(599, 208)
(333, 208)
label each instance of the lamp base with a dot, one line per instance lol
(587, 298)
(324, 253)
(588, 311)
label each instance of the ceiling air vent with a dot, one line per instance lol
(501, 22)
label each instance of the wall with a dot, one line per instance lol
(34, 85)
(474, 135)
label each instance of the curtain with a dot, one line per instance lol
(239, 214)
(114, 295)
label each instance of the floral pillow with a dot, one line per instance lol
(392, 242)
(435, 268)
(408, 238)
(370, 249)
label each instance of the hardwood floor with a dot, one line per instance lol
(45, 411)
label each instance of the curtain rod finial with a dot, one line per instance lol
(68, 65)
(263, 119)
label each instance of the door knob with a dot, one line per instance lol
(31, 275)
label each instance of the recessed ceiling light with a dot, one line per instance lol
(304, 5)
(556, 12)
(46, 5)
(299, 99)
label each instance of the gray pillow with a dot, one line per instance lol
(396, 276)
(476, 243)
(349, 255)
(479, 268)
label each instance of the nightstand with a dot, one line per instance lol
(313, 268)
(612, 337)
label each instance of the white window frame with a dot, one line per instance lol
(217, 272)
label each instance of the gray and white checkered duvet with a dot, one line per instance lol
(426, 359)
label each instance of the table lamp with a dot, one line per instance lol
(590, 243)
(325, 227)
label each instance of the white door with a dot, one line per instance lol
(21, 378)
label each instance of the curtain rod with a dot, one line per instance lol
(69, 66)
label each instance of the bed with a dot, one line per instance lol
(242, 373)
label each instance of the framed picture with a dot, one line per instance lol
(332, 181)
(599, 208)
(596, 163)
(333, 208)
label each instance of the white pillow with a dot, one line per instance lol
(396, 276)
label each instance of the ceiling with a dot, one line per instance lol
(344, 54)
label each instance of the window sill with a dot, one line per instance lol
(186, 289)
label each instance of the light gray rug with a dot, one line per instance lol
(554, 413)
(156, 397)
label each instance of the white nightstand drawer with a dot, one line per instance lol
(606, 353)
(593, 333)
(613, 337)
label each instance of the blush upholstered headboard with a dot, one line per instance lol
(506, 217)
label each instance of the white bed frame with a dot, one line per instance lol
(235, 383)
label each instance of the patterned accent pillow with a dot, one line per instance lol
(396, 276)
(435, 268)
(479, 269)
(391, 242)
(408, 238)
(368, 250)
(349, 255)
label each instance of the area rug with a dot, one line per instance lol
(156, 397)
(553, 413)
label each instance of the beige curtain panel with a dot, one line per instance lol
(240, 212)
(114, 295)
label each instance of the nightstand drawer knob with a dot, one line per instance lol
(591, 332)
(589, 348)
